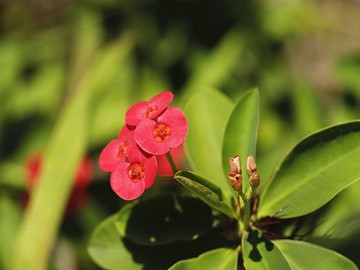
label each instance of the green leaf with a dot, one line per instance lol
(107, 249)
(260, 253)
(10, 214)
(155, 234)
(166, 219)
(206, 112)
(64, 152)
(307, 112)
(241, 132)
(216, 66)
(317, 169)
(341, 219)
(204, 190)
(220, 259)
(302, 255)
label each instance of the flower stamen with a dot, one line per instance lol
(136, 172)
(123, 150)
(162, 132)
(150, 111)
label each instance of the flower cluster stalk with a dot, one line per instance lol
(243, 196)
(171, 162)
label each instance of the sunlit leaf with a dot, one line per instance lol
(206, 113)
(341, 219)
(10, 219)
(317, 169)
(204, 190)
(302, 255)
(260, 253)
(63, 154)
(307, 112)
(219, 259)
(241, 131)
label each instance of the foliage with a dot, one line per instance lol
(69, 72)
(318, 168)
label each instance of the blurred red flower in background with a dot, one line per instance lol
(78, 196)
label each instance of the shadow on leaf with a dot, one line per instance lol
(255, 239)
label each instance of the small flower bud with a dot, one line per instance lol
(250, 165)
(235, 166)
(235, 180)
(254, 180)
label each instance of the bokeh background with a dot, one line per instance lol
(88, 61)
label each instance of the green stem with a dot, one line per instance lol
(245, 217)
(171, 162)
(246, 214)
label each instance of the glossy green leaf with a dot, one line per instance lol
(302, 255)
(107, 249)
(204, 190)
(206, 114)
(155, 234)
(220, 259)
(241, 132)
(260, 253)
(317, 169)
(166, 219)
(341, 219)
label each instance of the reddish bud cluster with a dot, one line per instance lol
(235, 174)
(151, 129)
(252, 172)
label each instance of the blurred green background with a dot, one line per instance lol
(70, 69)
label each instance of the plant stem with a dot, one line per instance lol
(246, 214)
(245, 217)
(171, 162)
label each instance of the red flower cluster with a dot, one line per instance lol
(151, 129)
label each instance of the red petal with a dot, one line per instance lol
(161, 101)
(109, 156)
(145, 139)
(176, 120)
(136, 113)
(126, 136)
(123, 186)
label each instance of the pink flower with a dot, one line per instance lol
(148, 109)
(152, 128)
(130, 178)
(158, 137)
(133, 170)
(118, 150)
